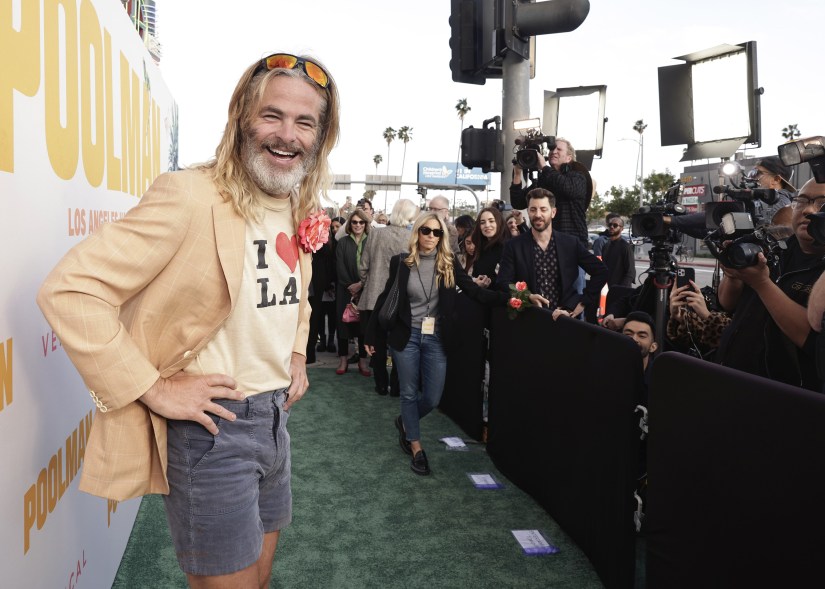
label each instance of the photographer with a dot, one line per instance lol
(567, 180)
(770, 172)
(769, 334)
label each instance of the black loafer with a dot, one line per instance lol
(419, 464)
(380, 390)
(402, 437)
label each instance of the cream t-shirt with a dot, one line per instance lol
(255, 344)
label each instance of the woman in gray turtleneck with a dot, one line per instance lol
(422, 333)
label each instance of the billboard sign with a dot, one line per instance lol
(445, 173)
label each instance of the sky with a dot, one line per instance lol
(390, 60)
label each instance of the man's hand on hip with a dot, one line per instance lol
(189, 397)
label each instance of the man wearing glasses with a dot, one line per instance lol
(770, 172)
(441, 206)
(188, 321)
(617, 255)
(769, 334)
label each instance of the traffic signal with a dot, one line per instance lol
(482, 148)
(465, 42)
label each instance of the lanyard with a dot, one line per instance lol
(432, 282)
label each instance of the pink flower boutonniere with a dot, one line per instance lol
(313, 232)
(519, 299)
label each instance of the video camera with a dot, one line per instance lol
(528, 148)
(649, 220)
(809, 149)
(740, 222)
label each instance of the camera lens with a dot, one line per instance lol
(527, 159)
(743, 255)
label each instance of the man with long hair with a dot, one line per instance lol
(189, 317)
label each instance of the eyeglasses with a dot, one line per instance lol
(803, 202)
(427, 231)
(288, 62)
(357, 222)
(614, 225)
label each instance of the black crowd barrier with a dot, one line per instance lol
(562, 427)
(736, 472)
(463, 397)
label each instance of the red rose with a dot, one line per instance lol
(515, 303)
(313, 232)
(521, 286)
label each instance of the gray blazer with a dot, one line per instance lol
(383, 244)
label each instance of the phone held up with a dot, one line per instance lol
(684, 275)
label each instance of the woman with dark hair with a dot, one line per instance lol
(347, 259)
(328, 320)
(464, 225)
(489, 237)
(422, 333)
(322, 285)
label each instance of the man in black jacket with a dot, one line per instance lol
(570, 184)
(549, 261)
(769, 334)
(617, 255)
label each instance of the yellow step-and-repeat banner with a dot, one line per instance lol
(86, 124)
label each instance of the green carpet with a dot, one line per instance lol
(363, 519)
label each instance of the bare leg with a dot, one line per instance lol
(255, 576)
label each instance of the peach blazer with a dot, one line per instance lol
(138, 300)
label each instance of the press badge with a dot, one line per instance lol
(428, 326)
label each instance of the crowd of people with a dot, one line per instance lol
(757, 322)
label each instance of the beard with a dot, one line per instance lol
(272, 180)
(544, 225)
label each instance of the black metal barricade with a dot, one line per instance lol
(736, 471)
(562, 427)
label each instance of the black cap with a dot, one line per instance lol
(775, 166)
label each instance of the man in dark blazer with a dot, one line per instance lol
(548, 261)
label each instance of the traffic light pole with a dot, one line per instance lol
(515, 106)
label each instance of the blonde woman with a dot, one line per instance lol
(422, 334)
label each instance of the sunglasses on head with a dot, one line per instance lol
(287, 61)
(427, 231)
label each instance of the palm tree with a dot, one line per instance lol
(791, 132)
(640, 126)
(405, 135)
(462, 108)
(377, 159)
(389, 135)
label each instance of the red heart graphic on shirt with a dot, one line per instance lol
(287, 248)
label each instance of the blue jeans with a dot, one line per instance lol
(422, 369)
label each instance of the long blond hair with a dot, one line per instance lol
(444, 273)
(227, 168)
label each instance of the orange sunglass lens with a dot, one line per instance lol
(316, 73)
(281, 61)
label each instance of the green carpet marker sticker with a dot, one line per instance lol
(484, 480)
(533, 542)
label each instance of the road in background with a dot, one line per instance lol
(704, 271)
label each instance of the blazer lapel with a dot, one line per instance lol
(230, 230)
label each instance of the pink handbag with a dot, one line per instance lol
(351, 314)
